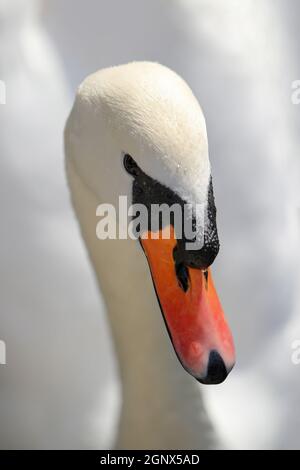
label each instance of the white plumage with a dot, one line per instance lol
(120, 110)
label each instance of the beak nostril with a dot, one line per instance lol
(182, 274)
(216, 369)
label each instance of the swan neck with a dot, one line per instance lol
(162, 405)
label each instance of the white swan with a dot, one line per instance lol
(146, 111)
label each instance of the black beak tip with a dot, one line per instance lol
(216, 370)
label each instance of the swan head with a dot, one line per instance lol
(136, 130)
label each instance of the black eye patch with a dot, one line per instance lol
(147, 191)
(130, 165)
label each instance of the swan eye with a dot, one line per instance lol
(130, 165)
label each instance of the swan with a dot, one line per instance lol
(137, 130)
(44, 319)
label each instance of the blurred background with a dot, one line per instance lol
(60, 387)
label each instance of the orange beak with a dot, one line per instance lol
(193, 314)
